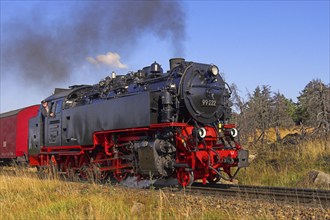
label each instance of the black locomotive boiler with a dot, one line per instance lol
(148, 123)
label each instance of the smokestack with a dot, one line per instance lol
(174, 62)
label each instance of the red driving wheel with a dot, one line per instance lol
(100, 161)
(118, 174)
(84, 163)
(185, 178)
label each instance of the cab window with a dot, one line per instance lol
(58, 106)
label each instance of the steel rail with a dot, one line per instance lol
(311, 197)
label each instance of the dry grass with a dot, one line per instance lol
(270, 134)
(24, 196)
(287, 165)
(27, 197)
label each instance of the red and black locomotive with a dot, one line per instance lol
(147, 124)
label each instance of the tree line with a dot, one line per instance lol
(264, 110)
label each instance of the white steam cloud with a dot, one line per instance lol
(108, 59)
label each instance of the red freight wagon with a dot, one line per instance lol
(14, 129)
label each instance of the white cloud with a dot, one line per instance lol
(109, 59)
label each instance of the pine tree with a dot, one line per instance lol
(314, 105)
(281, 108)
(258, 111)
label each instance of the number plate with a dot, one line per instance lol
(209, 102)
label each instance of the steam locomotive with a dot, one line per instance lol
(147, 124)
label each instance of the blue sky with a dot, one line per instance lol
(284, 44)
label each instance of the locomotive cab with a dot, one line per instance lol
(46, 130)
(53, 124)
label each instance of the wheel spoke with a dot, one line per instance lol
(100, 161)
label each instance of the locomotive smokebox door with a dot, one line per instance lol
(203, 94)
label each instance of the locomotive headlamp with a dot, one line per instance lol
(214, 70)
(202, 132)
(233, 132)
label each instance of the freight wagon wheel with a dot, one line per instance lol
(101, 175)
(185, 178)
(84, 163)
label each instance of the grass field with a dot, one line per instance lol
(288, 165)
(27, 197)
(24, 196)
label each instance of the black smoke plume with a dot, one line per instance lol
(45, 46)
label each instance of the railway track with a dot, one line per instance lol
(310, 197)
